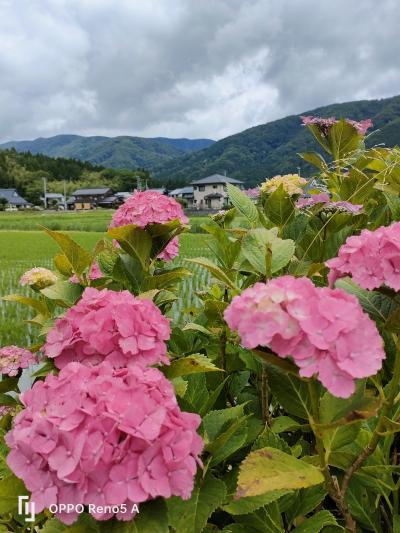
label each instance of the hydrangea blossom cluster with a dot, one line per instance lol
(94, 273)
(13, 359)
(324, 330)
(372, 258)
(291, 183)
(95, 435)
(325, 124)
(323, 198)
(38, 278)
(151, 207)
(6, 410)
(253, 193)
(112, 326)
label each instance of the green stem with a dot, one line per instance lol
(330, 484)
(373, 443)
(264, 396)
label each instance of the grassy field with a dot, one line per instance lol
(21, 250)
(96, 220)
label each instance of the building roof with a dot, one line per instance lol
(161, 190)
(214, 179)
(91, 192)
(213, 195)
(183, 190)
(12, 197)
(55, 195)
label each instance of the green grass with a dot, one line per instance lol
(96, 220)
(22, 250)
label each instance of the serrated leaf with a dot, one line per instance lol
(216, 421)
(215, 270)
(63, 292)
(167, 279)
(243, 203)
(315, 159)
(192, 515)
(10, 488)
(190, 326)
(377, 305)
(229, 441)
(256, 244)
(63, 265)
(191, 364)
(79, 258)
(291, 392)
(39, 306)
(250, 504)
(279, 207)
(270, 469)
(343, 139)
(152, 518)
(305, 501)
(281, 424)
(316, 523)
(135, 241)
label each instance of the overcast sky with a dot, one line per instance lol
(187, 68)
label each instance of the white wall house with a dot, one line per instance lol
(211, 193)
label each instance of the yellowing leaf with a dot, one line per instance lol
(270, 469)
(190, 365)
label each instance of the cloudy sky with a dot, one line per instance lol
(187, 68)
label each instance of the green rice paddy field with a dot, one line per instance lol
(22, 248)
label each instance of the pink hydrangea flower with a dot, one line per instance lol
(103, 436)
(94, 273)
(151, 207)
(253, 193)
(323, 198)
(14, 359)
(112, 326)
(324, 124)
(372, 258)
(318, 327)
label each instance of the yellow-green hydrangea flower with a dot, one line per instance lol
(38, 278)
(292, 184)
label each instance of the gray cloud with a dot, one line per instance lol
(184, 68)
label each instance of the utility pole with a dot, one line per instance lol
(65, 195)
(45, 192)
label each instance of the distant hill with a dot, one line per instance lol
(113, 152)
(269, 149)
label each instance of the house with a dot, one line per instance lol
(185, 193)
(211, 193)
(91, 198)
(54, 199)
(14, 200)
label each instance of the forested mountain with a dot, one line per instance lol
(252, 155)
(24, 171)
(269, 149)
(114, 152)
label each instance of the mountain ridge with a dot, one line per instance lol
(122, 151)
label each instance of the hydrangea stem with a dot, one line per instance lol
(330, 484)
(373, 443)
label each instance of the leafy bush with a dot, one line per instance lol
(295, 383)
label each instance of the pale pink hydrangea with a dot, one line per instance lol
(372, 258)
(151, 207)
(94, 273)
(6, 410)
(324, 330)
(112, 326)
(323, 198)
(96, 435)
(253, 193)
(13, 359)
(324, 124)
(38, 278)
